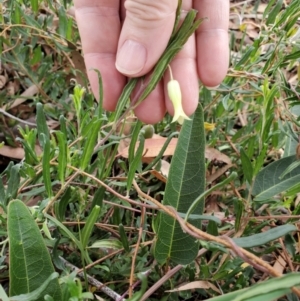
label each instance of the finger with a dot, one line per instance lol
(152, 109)
(99, 28)
(146, 31)
(212, 41)
(184, 69)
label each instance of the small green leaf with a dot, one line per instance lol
(123, 237)
(34, 5)
(265, 237)
(42, 126)
(107, 244)
(13, 183)
(89, 225)
(246, 166)
(46, 165)
(62, 155)
(30, 262)
(135, 162)
(60, 207)
(2, 193)
(239, 208)
(134, 138)
(68, 233)
(274, 13)
(90, 144)
(98, 197)
(202, 196)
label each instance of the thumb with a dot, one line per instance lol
(145, 34)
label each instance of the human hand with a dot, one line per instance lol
(126, 38)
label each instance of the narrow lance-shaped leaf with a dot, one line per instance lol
(90, 144)
(42, 126)
(247, 166)
(89, 225)
(2, 192)
(46, 165)
(265, 237)
(135, 162)
(265, 291)
(13, 183)
(30, 262)
(62, 155)
(186, 182)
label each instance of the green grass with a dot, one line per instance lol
(73, 173)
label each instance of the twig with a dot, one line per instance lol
(99, 285)
(16, 118)
(131, 279)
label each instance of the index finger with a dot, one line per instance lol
(212, 41)
(99, 27)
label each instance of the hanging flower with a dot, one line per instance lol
(174, 93)
(209, 126)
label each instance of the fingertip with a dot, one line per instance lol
(112, 81)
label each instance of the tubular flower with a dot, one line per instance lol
(174, 93)
(209, 126)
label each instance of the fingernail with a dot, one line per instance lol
(213, 88)
(131, 58)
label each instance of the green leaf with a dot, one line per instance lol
(62, 155)
(268, 182)
(202, 196)
(13, 183)
(37, 294)
(135, 162)
(89, 225)
(124, 238)
(34, 5)
(201, 217)
(46, 165)
(134, 138)
(90, 144)
(274, 13)
(42, 126)
(264, 237)
(281, 283)
(186, 182)
(107, 243)
(2, 192)
(69, 234)
(247, 166)
(30, 262)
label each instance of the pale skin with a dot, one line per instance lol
(146, 26)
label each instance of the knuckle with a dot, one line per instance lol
(149, 10)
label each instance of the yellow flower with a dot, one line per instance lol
(209, 126)
(174, 93)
